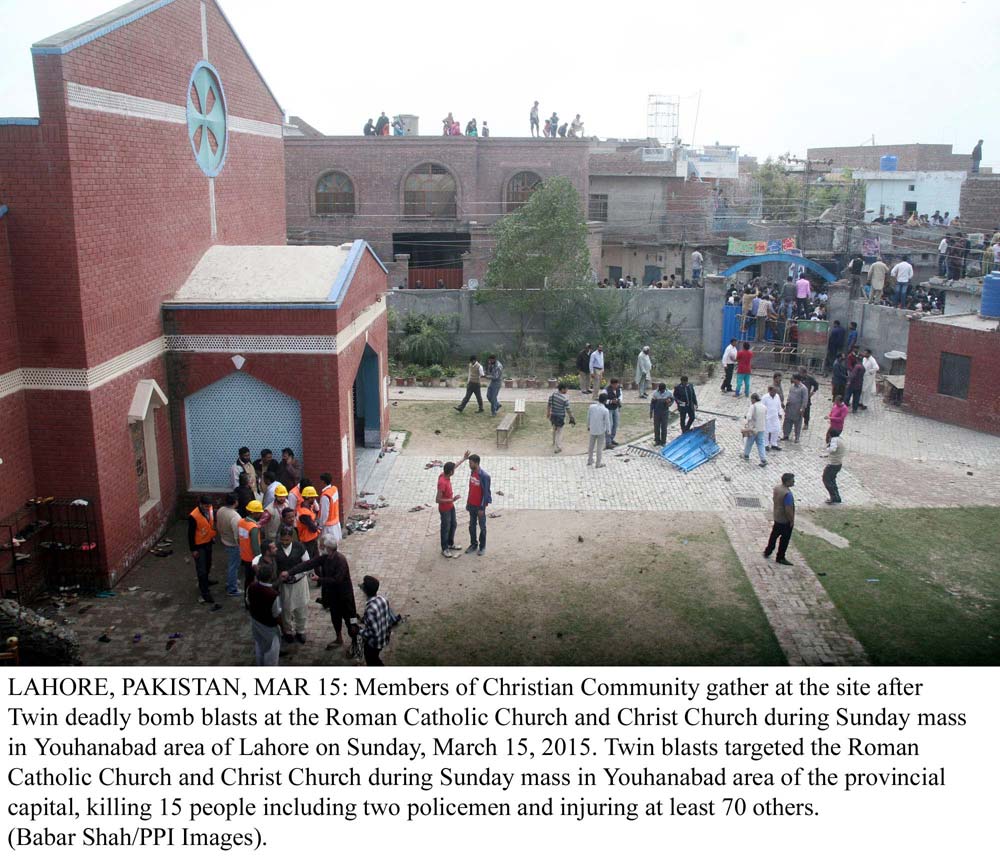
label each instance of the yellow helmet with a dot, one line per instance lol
(281, 490)
(309, 492)
(254, 505)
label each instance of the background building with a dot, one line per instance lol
(424, 203)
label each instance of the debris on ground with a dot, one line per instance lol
(872, 580)
(176, 636)
(513, 468)
(134, 588)
(500, 493)
(417, 508)
(432, 464)
(579, 538)
(362, 525)
(365, 493)
(494, 514)
(370, 506)
(137, 638)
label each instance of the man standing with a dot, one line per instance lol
(201, 534)
(643, 371)
(697, 262)
(597, 370)
(795, 407)
(803, 292)
(812, 386)
(788, 295)
(754, 429)
(269, 484)
(249, 535)
(265, 613)
(868, 388)
(659, 412)
(902, 272)
(772, 423)
(855, 267)
(265, 464)
(473, 384)
(687, 403)
(835, 342)
(377, 623)
(852, 335)
(293, 587)
(557, 411)
(977, 156)
(943, 257)
(598, 426)
(329, 507)
(270, 520)
(729, 365)
(839, 378)
(835, 455)
(614, 405)
(784, 519)
(227, 522)
(583, 368)
(305, 512)
(289, 470)
(855, 383)
(744, 365)
(494, 371)
(478, 500)
(533, 118)
(243, 465)
(876, 276)
(446, 499)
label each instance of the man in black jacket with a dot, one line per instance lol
(583, 367)
(687, 403)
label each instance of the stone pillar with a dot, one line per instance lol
(838, 307)
(713, 301)
(399, 271)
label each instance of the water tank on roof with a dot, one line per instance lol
(888, 163)
(990, 306)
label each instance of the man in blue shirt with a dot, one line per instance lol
(852, 335)
(835, 342)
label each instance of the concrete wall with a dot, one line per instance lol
(912, 156)
(981, 204)
(485, 325)
(887, 192)
(881, 328)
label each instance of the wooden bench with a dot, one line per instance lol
(520, 411)
(505, 429)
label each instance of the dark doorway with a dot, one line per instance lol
(367, 402)
(651, 274)
(435, 257)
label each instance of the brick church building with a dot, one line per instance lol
(152, 320)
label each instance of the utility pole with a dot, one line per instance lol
(804, 212)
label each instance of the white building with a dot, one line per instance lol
(893, 193)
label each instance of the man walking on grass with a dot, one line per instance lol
(598, 426)
(597, 370)
(659, 412)
(494, 371)
(834, 453)
(557, 411)
(473, 385)
(784, 519)
(478, 500)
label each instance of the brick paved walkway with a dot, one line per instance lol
(807, 625)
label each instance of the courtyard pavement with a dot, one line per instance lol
(894, 460)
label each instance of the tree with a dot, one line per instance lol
(541, 257)
(781, 193)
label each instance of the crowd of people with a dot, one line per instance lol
(383, 127)
(282, 533)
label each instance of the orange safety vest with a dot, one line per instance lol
(204, 528)
(305, 535)
(333, 495)
(297, 493)
(246, 547)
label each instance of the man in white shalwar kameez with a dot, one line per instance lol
(772, 423)
(643, 371)
(868, 387)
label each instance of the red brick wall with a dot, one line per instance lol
(980, 204)
(912, 156)
(927, 341)
(379, 166)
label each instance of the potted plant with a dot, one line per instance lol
(436, 375)
(508, 383)
(553, 382)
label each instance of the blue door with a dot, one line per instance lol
(238, 410)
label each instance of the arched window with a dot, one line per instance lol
(430, 191)
(334, 194)
(520, 188)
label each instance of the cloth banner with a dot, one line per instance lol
(870, 247)
(759, 248)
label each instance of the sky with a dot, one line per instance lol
(770, 77)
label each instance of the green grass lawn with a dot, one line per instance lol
(672, 593)
(937, 599)
(470, 430)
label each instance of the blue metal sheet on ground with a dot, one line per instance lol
(692, 449)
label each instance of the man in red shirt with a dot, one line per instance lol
(446, 500)
(744, 361)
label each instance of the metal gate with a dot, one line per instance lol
(238, 410)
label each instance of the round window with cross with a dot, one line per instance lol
(208, 126)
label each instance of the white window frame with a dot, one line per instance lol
(147, 399)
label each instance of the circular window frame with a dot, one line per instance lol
(213, 171)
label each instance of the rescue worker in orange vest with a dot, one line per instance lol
(329, 507)
(249, 531)
(306, 513)
(201, 534)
